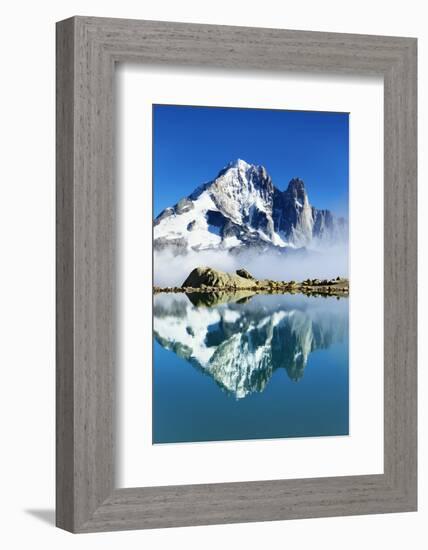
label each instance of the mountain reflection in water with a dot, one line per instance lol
(241, 340)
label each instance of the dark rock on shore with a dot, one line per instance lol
(244, 273)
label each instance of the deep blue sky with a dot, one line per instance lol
(192, 144)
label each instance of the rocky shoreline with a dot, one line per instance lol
(208, 280)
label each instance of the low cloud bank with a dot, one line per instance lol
(172, 270)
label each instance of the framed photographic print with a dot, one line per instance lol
(236, 274)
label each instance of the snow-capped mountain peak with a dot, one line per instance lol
(240, 209)
(238, 163)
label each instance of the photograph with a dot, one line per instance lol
(250, 273)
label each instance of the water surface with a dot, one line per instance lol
(249, 367)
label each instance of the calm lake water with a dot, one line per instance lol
(239, 367)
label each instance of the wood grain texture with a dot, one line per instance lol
(64, 276)
(87, 49)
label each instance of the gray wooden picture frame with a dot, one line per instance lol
(87, 50)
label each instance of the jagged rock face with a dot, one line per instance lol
(293, 214)
(242, 209)
(243, 193)
(241, 345)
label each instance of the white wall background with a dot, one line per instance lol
(27, 272)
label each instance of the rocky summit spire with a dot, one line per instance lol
(296, 184)
(296, 188)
